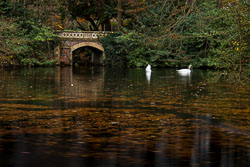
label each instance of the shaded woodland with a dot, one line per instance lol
(165, 33)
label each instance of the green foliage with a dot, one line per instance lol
(177, 34)
(36, 62)
(23, 41)
(130, 49)
(224, 43)
(115, 51)
(11, 44)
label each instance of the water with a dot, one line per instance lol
(106, 117)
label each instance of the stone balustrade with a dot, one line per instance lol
(82, 35)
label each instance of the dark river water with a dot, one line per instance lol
(106, 117)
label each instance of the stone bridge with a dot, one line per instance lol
(72, 44)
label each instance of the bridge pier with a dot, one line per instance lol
(71, 41)
(97, 59)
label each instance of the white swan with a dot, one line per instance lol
(148, 68)
(185, 71)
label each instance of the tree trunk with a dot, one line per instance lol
(119, 8)
(240, 42)
(107, 25)
(219, 4)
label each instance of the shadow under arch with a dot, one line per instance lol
(96, 58)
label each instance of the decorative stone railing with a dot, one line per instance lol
(82, 35)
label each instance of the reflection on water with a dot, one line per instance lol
(185, 77)
(111, 117)
(148, 76)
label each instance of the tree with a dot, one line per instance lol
(97, 13)
(119, 9)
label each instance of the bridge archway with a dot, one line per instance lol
(90, 44)
(97, 58)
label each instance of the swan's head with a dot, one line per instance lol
(189, 67)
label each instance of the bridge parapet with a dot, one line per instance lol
(90, 35)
